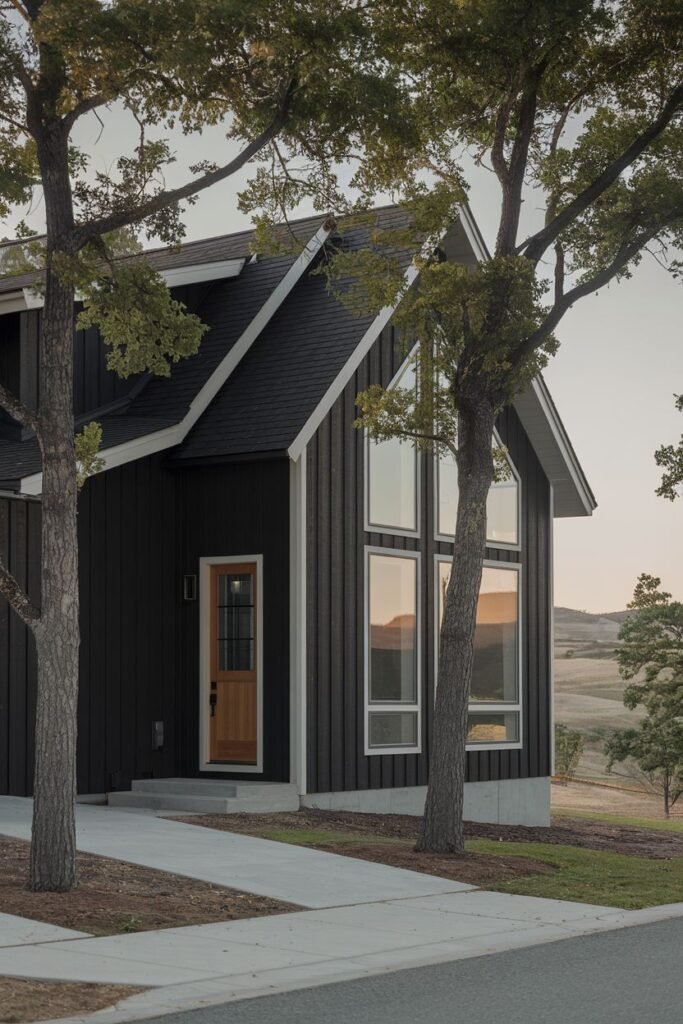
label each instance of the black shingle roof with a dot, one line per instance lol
(275, 387)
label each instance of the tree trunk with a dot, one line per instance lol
(53, 847)
(667, 807)
(442, 828)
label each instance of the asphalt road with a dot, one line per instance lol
(630, 976)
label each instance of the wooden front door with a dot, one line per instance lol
(233, 686)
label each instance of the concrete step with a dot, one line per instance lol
(185, 787)
(208, 796)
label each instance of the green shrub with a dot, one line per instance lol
(568, 751)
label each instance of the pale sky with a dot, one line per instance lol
(613, 380)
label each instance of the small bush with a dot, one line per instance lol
(568, 751)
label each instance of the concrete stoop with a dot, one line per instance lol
(207, 796)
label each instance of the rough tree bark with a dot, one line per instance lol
(442, 826)
(53, 849)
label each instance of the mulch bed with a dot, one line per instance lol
(114, 897)
(27, 999)
(393, 835)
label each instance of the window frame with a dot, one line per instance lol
(369, 707)
(475, 707)
(443, 538)
(384, 528)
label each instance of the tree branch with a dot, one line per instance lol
(84, 107)
(625, 253)
(17, 410)
(121, 218)
(535, 246)
(22, 605)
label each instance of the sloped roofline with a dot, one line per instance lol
(158, 441)
(537, 411)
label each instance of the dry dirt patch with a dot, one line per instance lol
(114, 897)
(27, 1000)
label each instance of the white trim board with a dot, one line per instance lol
(193, 273)
(171, 436)
(205, 563)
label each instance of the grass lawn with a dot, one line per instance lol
(591, 876)
(620, 819)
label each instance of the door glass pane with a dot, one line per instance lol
(393, 728)
(493, 728)
(496, 640)
(235, 622)
(393, 633)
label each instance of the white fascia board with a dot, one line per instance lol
(195, 273)
(344, 376)
(540, 392)
(171, 436)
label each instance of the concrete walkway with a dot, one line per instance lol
(307, 878)
(368, 919)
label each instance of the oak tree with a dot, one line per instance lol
(263, 69)
(575, 108)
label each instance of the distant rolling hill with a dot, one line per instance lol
(587, 634)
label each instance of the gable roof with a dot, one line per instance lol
(279, 351)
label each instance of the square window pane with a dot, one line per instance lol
(493, 727)
(495, 672)
(393, 629)
(392, 484)
(502, 506)
(393, 728)
(392, 475)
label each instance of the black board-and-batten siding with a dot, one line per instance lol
(336, 541)
(142, 527)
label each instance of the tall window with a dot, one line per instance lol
(502, 507)
(495, 701)
(392, 651)
(391, 477)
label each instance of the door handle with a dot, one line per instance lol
(213, 700)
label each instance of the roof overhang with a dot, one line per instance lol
(572, 495)
(169, 437)
(26, 298)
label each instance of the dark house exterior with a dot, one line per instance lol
(260, 585)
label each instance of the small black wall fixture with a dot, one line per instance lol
(190, 587)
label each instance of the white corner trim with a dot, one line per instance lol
(344, 376)
(205, 764)
(170, 436)
(551, 623)
(297, 622)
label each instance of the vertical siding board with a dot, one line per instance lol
(18, 643)
(347, 582)
(132, 552)
(84, 735)
(99, 624)
(4, 655)
(323, 624)
(312, 632)
(337, 665)
(33, 573)
(113, 705)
